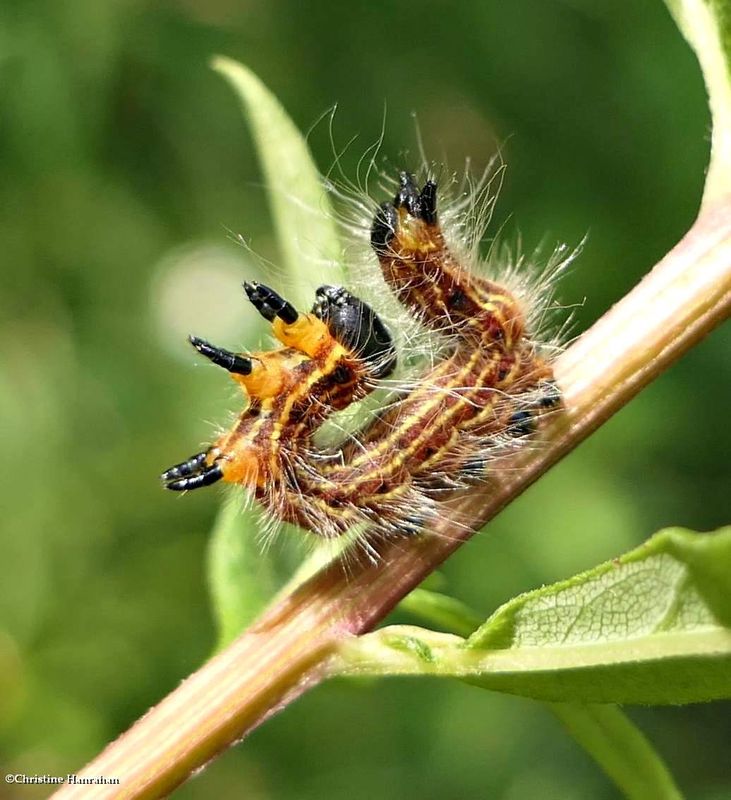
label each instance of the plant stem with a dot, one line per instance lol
(620, 749)
(287, 651)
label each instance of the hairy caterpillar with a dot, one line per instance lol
(488, 390)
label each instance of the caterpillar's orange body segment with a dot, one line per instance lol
(307, 333)
(490, 388)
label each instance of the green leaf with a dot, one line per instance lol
(242, 578)
(305, 224)
(706, 24)
(650, 627)
(441, 610)
(620, 749)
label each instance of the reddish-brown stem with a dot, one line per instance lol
(287, 651)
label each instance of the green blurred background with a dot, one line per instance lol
(124, 166)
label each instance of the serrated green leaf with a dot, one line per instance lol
(650, 627)
(242, 578)
(706, 24)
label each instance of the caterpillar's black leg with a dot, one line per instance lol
(522, 423)
(412, 525)
(185, 468)
(205, 477)
(356, 325)
(384, 228)
(269, 304)
(475, 468)
(550, 395)
(222, 358)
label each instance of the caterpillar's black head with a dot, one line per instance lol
(356, 326)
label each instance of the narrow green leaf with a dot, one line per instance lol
(324, 553)
(306, 230)
(442, 610)
(242, 578)
(706, 24)
(650, 627)
(620, 749)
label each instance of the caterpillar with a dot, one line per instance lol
(488, 391)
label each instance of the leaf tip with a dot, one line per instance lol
(233, 71)
(223, 64)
